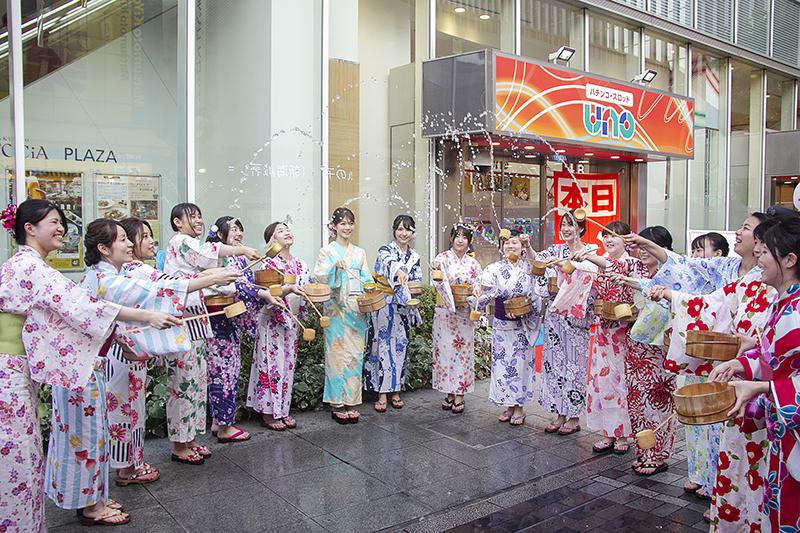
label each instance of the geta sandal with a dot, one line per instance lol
(105, 519)
(447, 404)
(458, 408)
(506, 415)
(380, 407)
(603, 447)
(649, 465)
(193, 459)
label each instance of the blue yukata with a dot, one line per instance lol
(388, 330)
(76, 474)
(345, 337)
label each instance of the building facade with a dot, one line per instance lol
(285, 109)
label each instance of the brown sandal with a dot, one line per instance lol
(289, 422)
(380, 407)
(105, 519)
(201, 450)
(192, 459)
(137, 478)
(458, 408)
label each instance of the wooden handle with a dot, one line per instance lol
(599, 225)
(312, 305)
(286, 308)
(664, 422)
(254, 263)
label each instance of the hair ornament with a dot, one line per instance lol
(9, 217)
(212, 231)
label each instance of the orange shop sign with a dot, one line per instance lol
(563, 104)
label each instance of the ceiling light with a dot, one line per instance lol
(531, 156)
(495, 143)
(583, 161)
(645, 77)
(530, 147)
(639, 160)
(564, 54)
(589, 154)
(459, 10)
(485, 17)
(561, 151)
(614, 157)
(201, 171)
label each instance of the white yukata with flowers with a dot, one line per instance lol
(64, 328)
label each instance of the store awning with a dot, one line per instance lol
(508, 96)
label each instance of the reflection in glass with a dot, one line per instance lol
(614, 48)
(547, 25)
(468, 25)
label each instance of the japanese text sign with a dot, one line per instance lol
(555, 103)
(598, 194)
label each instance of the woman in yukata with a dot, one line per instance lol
(269, 391)
(607, 405)
(770, 368)
(650, 385)
(223, 350)
(742, 308)
(709, 245)
(187, 374)
(513, 337)
(389, 328)
(700, 276)
(565, 362)
(127, 447)
(51, 332)
(453, 331)
(343, 266)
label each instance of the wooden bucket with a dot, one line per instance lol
(370, 286)
(646, 439)
(371, 302)
(415, 288)
(519, 306)
(598, 307)
(276, 291)
(623, 312)
(289, 279)
(552, 286)
(218, 302)
(309, 334)
(704, 403)
(318, 292)
(460, 293)
(265, 278)
(437, 275)
(273, 250)
(712, 345)
(474, 315)
(538, 268)
(568, 267)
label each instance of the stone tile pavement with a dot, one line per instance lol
(419, 469)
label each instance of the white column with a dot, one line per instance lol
(15, 84)
(186, 88)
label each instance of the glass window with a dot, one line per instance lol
(613, 48)
(752, 25)
(258, 90)
(708, 188)
(101, 113)
(780, 102)
(666, 198)
(747, 135)
(466, 25)
(668, 58)
(547, 25)
(377, 160)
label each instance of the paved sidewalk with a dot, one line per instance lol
(418, 469)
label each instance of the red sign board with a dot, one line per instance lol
(598, 194)
(556, 103)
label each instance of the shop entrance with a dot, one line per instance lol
(501, 182)
(782, 190)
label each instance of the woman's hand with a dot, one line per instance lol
(295, 289)
(745, 391)
(159, 320)
(225, 276)
(657, 293)
(435, 265)
(341, 263)
(402, 277)
(724, 372)
(580, 256)
(745, 343)
(128, 353)
(250, 253)
(477, 290)
(269, 298)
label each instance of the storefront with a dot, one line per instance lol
(515, 140)
(285, 109)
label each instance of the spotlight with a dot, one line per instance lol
(564, 54)
(645, 77)
(459, 10)
(485, 17)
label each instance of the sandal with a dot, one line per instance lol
(114, 504)
(289, 422)
(238, 436)
(458, 408)
(506, 416)
(397, 403)
(380, 407)
(192, 459)
(690, 487)
(517, 420)
(553, 428)
(277, 425)
(201, 450)
(106, 518)
(621, 448)
(649, 465)
(603, 447)
(700, 493)
(139, 477)
(447, 404)
(340, 417)
(567, 430)
(353, 419)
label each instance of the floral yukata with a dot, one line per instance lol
(388, 329)
(79, 450)
(345, 337)
(54, 333)
(275, 353)
(777, 359)
(187, 372)
(607, 403)
(696, 276)
(565, 361)
(513, 361)
(223, 352)
(453, 331)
